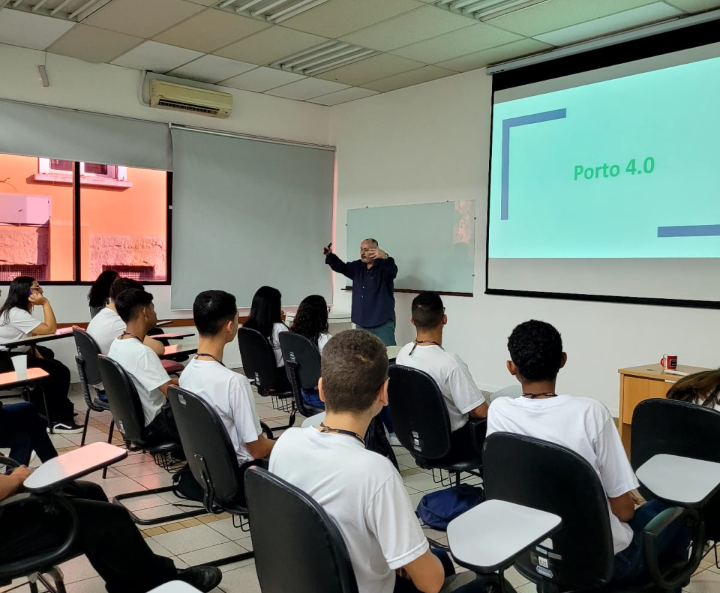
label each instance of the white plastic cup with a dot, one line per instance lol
(20, 364)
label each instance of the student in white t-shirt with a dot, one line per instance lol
(311, 321)
(701, 388)
(266, 317)
(586, 427)
(216, 318)
(106, 326)
(462, 397)
(360, 490)
(17, 323)
(136, 309)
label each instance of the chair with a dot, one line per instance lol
(258, 360)
(87, 365)
(422, 425)
(545, 476)
(211, 457)
(297, 546)
(128, 414)
(683, 429)
(302, 363)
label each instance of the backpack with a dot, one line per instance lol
(437, 509)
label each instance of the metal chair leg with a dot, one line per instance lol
(32, 582)
(110, 435)
(87, 419)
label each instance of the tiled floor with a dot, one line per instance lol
(208, 537)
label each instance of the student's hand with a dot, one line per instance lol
(20, 474)
(376, 253)
(327, 250)
(37, 299)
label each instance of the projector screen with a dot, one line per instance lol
(606, 183)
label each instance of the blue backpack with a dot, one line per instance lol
(437, 509)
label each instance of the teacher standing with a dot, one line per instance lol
(373, 297)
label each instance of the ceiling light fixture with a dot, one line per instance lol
(39, 5)
(43, 76)
(323, 57)
(274, 11)
(59, 7)
(482, 10)
(17, 3)
(84, 8)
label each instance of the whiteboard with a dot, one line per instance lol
(433, 244)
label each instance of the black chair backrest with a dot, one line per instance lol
(258, 358)
(551, 478)
(88, 351)
(419, 412)
(207, 446)
(299, 349)
(123, 398)
(297, 546)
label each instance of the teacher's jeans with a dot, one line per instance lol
(386, 332)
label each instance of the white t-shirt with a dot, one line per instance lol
(277, 329)
(323, 339)
(231, 395)
(452, 377)
(582, 425)
(700, 402)
(105, 328)
(18, 327)
(146, 371)
(364, 495)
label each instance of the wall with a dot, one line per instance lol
(430, 143)
(114, 90)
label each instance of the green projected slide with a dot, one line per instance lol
(626, 168)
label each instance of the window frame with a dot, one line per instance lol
(116, 177)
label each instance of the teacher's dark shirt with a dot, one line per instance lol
(373, 300)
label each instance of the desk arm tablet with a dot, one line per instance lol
(175, 587)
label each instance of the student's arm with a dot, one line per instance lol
(480, 412)
(426, 573)
(465, 393)
(339, 266)
(623, 507)
(12, 484)
(164, 388)
(50, 324)
(152, 374)
(155, 345)
(260, 448)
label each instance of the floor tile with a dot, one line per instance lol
(515, 578)
(144, 502)
(420, 482)
(155, 480)
(158, 512)
(77, 569)
(527, 588)
(93, 585)
(241, 580)
(190, 540)
(115, 486)
(226, 528)
(218, 552)
(140, 469)
(706, 582)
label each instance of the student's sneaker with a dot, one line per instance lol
(393, 440)
(204, 578)
(62, 428)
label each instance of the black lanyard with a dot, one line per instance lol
(349, 433)
(424, 342)
(132, 335)
(215, 358)
(534, 395)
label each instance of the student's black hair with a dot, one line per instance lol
(100, 290)
(18, 294)
(265, 311)
(311, 319)
(130, 302)
(123, 284)
(212, 309)
(536, 349)
(427, 310)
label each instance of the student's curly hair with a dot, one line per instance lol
(536, 349)
(311, 319)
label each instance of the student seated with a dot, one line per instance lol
(584, 426)
(99, 293)
(17, 323)
(106, 535)
(266, 317)
(106, 326)
(462, 397)
(136, 309)
(360, 490)
(311, 321)
(216, 318)
(701, 388)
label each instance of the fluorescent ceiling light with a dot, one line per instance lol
(274, 11)
(485, 9)
(323, 57)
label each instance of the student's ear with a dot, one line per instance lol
(444, 321)
(321, 391)
(412, 320)
(383, 393)
(563, 360)
(512, 369)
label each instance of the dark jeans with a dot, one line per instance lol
(23, 431)
(163, 428)
(384, 331)
(55, 387)
(107, 536)
(467, 442)
(672, 544)
(282, 383)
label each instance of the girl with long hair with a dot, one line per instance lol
(311, 321)
(99, 293)
(266, 318)
(17, 323)
(699, 388)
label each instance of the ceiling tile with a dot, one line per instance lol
(340, 17)
(351, 94)
(411, 27)
(269, 45)
(157, 57)
(308, 88)
(31, 30)
(373, 68)
(262, 79)
(695, 5)
(610, 24)
(212, 69)
(205, 2)
(458, 43)
(556, 14)
(92, 44)
(143, 18)
(405, 79)
(480, 59)
(211, 30)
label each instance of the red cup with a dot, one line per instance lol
(669, 362)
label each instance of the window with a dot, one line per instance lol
(117, 220)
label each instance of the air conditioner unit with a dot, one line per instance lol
(167, 95)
